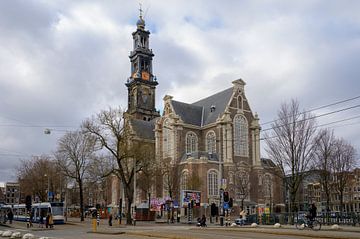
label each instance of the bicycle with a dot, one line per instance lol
(302, 223)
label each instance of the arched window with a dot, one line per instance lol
(167, 144)
(184, 180)
(231, 178)
(239, 102)
(191, 143)
(213, 186)
(241, 142)
(211, 142)
(268, 186)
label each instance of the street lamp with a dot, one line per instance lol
(48, 186)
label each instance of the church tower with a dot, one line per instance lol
(142, 83)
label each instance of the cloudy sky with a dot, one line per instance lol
(63, 61)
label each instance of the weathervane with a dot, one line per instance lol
(140, 10)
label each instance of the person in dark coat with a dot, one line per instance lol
(110, 220)
(10, 216)
(47, 220)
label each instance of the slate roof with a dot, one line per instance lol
(199, 113)
(190, 114)
(267, 163)
(144, 129)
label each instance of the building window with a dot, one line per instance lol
(211, 142)
(191, 142)
(184, 180)
(239, 102)
(241, 142)
(213, 187)
(167, 142)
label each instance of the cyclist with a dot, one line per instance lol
(312, 213)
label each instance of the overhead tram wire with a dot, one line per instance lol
(322, 125)
(314, 117)
(320, 107)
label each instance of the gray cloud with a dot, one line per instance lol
(61, 62)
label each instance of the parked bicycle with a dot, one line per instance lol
(302, 223)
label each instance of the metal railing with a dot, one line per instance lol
(351, 219)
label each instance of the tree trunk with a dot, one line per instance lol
(81, 200)
(128, 214)
(292, 207)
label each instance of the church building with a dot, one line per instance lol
(211, 145)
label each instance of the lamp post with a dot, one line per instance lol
(48, 186)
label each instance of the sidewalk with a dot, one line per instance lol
(146, 227)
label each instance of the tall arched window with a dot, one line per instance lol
(167, 144)
(191, 142)
(268, 186)
(213, 185)
(211, 142)
(239, 102)
(241, 142)
(184, 180)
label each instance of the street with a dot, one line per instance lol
(79, 230)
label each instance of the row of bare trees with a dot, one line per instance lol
(104, 145)
(297, 146)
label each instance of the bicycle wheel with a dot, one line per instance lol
(316, 225)
(300, 224)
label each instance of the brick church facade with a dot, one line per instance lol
(210, 144)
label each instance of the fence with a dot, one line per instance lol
(330, 218)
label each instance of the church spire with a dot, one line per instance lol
(141, 83)
(141, 22)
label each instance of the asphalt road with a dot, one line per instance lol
(81, 230)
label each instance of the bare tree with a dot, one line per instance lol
(241, 185)
(291, 145)
(37, 176)
(147, 176)
(74, 153)
(171, 176)
(343, 162)
(115, 136)
(194, 182)
(324, 154)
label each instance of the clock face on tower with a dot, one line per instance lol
(145, 75)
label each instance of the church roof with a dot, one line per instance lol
(190, 114)
(267, 163)
(218, 102)
(144, 129)
(205, 111)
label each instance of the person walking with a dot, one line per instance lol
(41, 220)
(110, 220)
(51, 221)
(10, 216)
(47, 220)
(242, 217)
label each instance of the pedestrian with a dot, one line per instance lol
(10, 216)
(51, 221)
(110, 220)
(41, 220)
(47, 220)
(98, 219)
(242, 217)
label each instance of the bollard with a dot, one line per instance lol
(94, 225)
